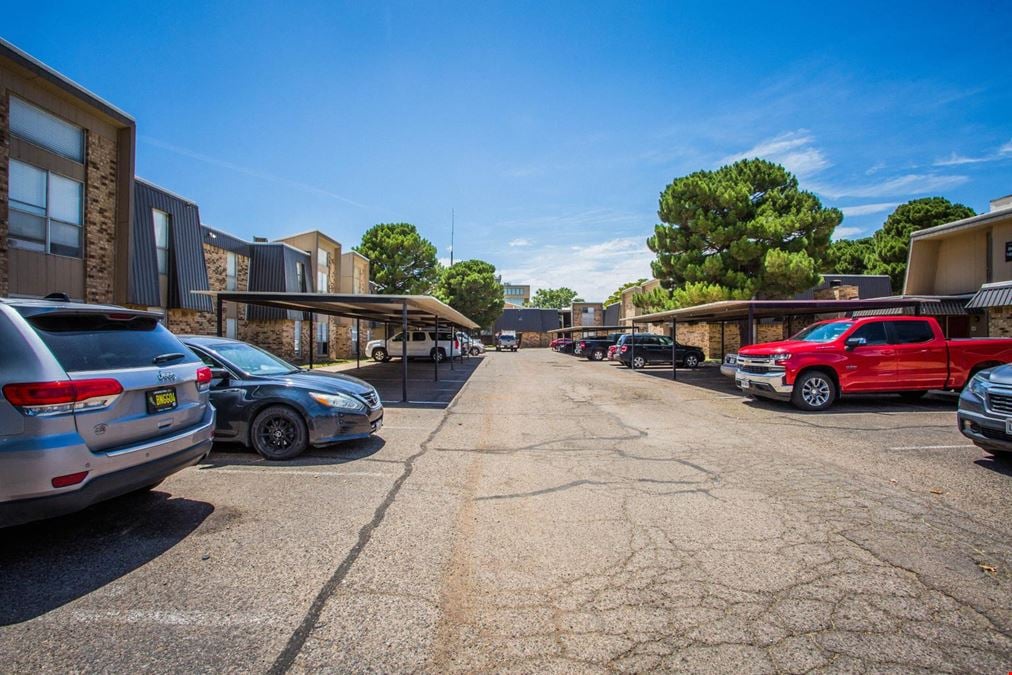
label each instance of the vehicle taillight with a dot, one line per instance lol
(69, 479)
(456, 344)
(582, 344)
(38, 399)
(203, 378)
(625, 348)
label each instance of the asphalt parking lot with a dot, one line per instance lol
(557, 515)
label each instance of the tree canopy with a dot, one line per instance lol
(616, 296)
(744, 230)
(554, 298)
(401, 261)
(850, 256)
(472, 288)
(892, 242)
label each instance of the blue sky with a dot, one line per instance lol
(550, 128)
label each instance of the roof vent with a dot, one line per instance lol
(1001, 203)
(259, 240)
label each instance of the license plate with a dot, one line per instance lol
(161, 400)
(1008, 427)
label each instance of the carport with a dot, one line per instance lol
(749, 311)
(410, 311)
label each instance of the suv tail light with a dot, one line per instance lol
(625, 348)
(39, 399)
(203, 378)
(583, 345)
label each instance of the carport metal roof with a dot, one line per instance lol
(415, 311)
(998, 294)
(585, 329)
(422, 310)
(742, 310)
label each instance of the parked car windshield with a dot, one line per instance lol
(823, 332)
(82, 342)
(253, 361)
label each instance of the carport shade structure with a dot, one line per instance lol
(411, 311)
(750, 310)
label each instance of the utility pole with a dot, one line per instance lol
(452, 223)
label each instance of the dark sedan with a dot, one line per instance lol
(985, 410)
(280, 409)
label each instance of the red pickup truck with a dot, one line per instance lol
(907, 355)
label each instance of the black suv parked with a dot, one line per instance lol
(649, 349)
(595, 347)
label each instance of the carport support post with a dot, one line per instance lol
(453, 340)
(632, 348)
(218, 317)
(674, 354)
(435, 356)
(722, 324)
(358, 343)
(311, 331)
(404, 352)
(751, 325)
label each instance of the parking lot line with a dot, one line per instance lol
(294, 472)
(935, 447)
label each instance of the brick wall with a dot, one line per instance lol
(99, 218)
(845, 292)
(277, 337)
(216, 260)
(5, 151)
(530, 339)
(999, 322)
(190, 322)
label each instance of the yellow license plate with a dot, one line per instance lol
(161, 400)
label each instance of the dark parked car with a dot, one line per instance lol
(651, 349)
(595, 347)
(280, 409)
(96, 401)
(985, 410)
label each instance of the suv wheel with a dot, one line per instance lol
(380, 354)
(814, 391)
(278, 433)
(597, 355)
(638, 362)
(438, 355)
(475, 351)
(691, 361)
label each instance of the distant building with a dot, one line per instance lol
(516, 295)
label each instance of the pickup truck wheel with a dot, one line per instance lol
(814, 391)
(380, 354)
(691, 361)
(638, 362)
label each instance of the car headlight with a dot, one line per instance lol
(781, 357)
(339, 401)
(979, 385)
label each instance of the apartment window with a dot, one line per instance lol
(162, 222)
(230, 264)
(297, 342)
(322, 271)
(300, 276)
(46, 210)
(231, 328)
(322, 336)
(45, 130)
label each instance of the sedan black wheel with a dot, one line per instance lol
(279, 433)
(691, 361)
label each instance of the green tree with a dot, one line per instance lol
(472, 288)
(744, 230)
(850, 256)
(892, 242)
(554, 298)
(616, 296)
(401, 261)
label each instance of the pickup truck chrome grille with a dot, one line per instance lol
(759, 370)
(1000, 403)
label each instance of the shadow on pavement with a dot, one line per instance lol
(996, 463)
(235, 454)
(424, 390)
(46, 564)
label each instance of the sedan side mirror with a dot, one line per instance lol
(855, 342)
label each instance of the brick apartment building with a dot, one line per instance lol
(66, 170)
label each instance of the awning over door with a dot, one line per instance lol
(998, 294)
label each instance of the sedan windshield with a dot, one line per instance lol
(253, 361)
(823, 332)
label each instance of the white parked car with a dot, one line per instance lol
(470, 345)
(729, 365)
(421, 344)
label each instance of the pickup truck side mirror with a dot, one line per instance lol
(853, 342)
(220, 374)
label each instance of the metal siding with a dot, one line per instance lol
(291, 257)
(266, 273)
(611, 314)
(189, 270)
(143, 285)
(225, 241)
(527, 320)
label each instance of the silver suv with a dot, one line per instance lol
(95, 402)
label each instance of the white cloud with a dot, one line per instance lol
(794, 150)
(875, 168)
(865, 209)
(1005, 149)
(445, 262)
(520, 242)
(846, 232)
(911, 184)
(957, 160)
(593, 270)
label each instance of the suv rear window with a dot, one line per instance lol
(96, 342)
